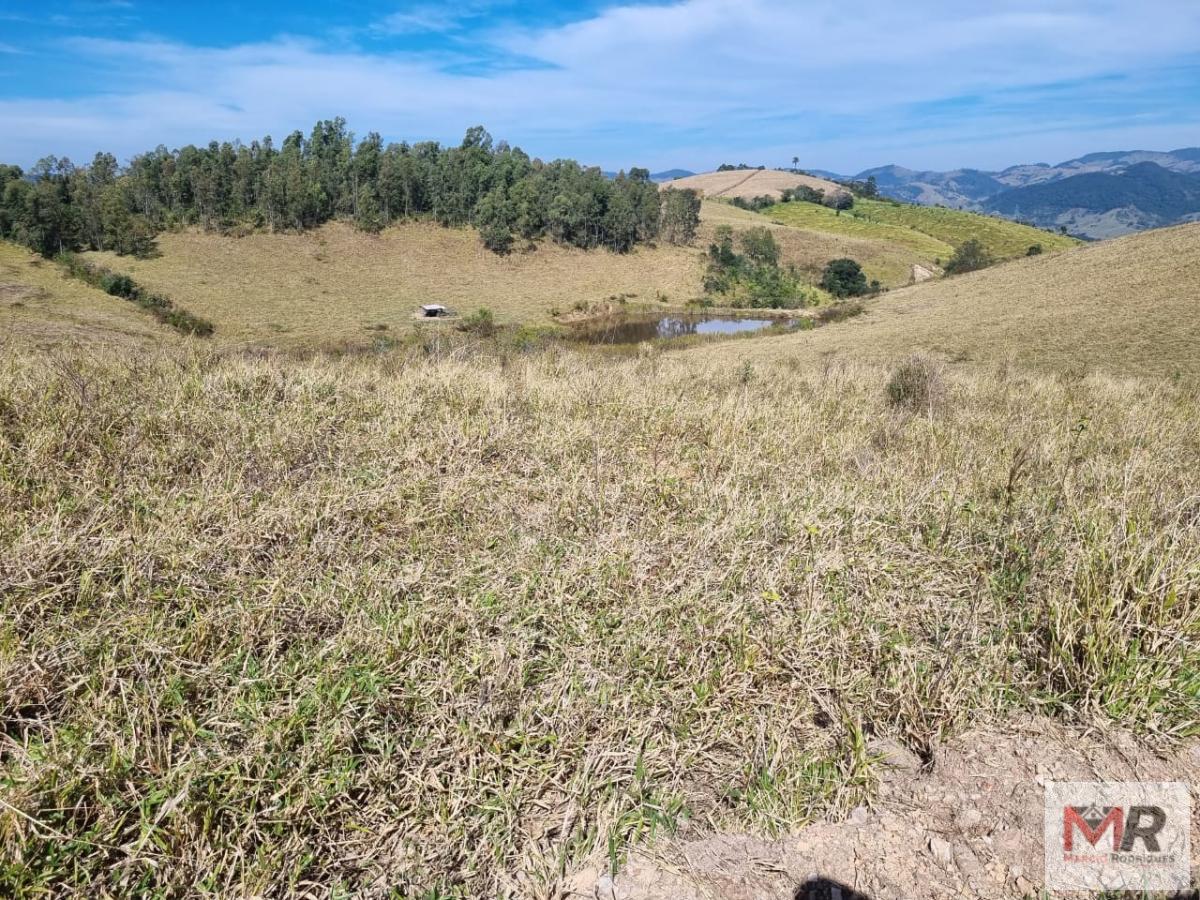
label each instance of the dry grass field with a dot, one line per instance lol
(337, 285)
(40, 307)
(458, 626)
(1128, 306)
(452, 619)
(751, 183)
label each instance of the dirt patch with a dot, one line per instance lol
(971, 826)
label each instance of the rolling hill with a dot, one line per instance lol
(336, 285)
(1002, 238)
(1127, 307)
(928, 235)
(485, 621)
(751, 183)
(809, 239)
(671, 175)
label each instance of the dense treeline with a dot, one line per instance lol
(308, 181)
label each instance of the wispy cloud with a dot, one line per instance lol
(844, 83)
(419, 20)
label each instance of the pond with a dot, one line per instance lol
(665, 327)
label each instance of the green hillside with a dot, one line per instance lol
(1004, 239)
(933, 232)
(814, 217)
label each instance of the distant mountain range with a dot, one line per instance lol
(660, 177)
(1097, 196)
(670, 175)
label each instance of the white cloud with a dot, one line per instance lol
(651, 83)
(419, 20)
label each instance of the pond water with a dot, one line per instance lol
(634, 331)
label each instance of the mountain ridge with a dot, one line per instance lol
(1122, 191)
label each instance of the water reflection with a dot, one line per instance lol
(634, 331)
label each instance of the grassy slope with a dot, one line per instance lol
(272, 626)
(39, 307)
(1124, 306)
(751, 183)
(822, 218)
(811, 246)
(886, 252)
(337, 284)
(1003, 239)
(916, 234)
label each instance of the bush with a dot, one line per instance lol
(497, 237)
(970, 257)
(844, 278)
(481, 322)
(760, 246)
(1034, 250)
(803, 194)
(840, 201)
(916, 384)
(118, 285)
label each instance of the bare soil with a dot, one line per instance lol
(967, 825)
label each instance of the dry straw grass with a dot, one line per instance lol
(336, 284)
(40, 307)
(448, 627)
(751, 183)
(1127, 306)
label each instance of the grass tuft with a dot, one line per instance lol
(917, 385)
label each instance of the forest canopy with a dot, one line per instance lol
(310, 180)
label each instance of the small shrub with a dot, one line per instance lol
(118, 285)
(1034, 250)
(184, 321)
(970, 257)
(916, 384)
(497, 237)
(481, 322)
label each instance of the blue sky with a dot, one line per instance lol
(843, 84)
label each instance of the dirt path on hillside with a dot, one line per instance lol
(969, 827)
(735, 185)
